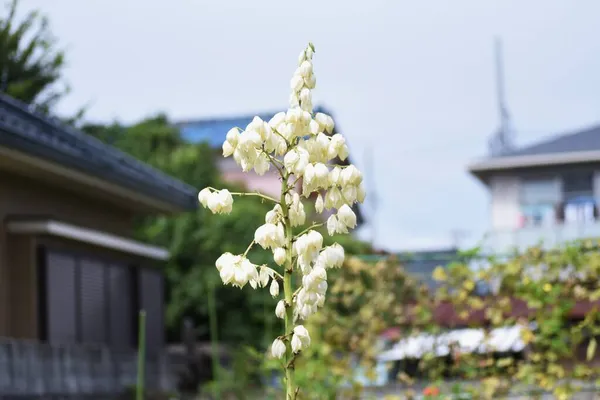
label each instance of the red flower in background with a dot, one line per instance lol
(431, 391)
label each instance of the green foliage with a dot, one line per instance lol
(362, 300)
(561, 353)
(539, 291)
(30, 62)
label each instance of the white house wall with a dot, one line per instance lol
(505, 202)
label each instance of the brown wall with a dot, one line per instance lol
(21, 275)
(24, 197)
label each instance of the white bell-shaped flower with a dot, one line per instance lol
(270, 236)
(278, 348)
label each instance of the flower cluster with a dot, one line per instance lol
(302, 147)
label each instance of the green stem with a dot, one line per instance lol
(309, 228)
(288, 293)
(212, 315)
(262, 196)
(141, 356)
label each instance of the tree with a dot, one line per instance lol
(30, 63)
(196, 239)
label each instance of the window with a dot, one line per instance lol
(539, 199)
(84, 299)
(578, 194)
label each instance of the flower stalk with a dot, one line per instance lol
(288, 292)
(300, 145)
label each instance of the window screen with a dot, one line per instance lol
(121, 334)
(578, 186)
(93, 307)
(85, 299)
(540, 192)
(60, 290)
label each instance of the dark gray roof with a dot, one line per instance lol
(584, 140)
(29, 132)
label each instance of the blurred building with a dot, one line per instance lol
(72, 277)
(545, 193)
(214, 130)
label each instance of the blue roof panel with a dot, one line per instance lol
(213, 131)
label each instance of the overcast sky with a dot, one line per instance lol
(414, 79)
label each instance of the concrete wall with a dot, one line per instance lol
(504, 192)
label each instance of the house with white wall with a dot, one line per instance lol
(547, 193)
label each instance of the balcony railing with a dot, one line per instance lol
(31, 369)
(504, 241)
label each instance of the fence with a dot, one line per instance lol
(587, 391)
(30, 369)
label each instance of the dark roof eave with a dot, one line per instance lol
(30, 133)
(178, 200)
(484, 168)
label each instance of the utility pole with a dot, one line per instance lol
(457, 236)
(502, 140)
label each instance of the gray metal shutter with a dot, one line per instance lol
(151, 299)
(120, 307)
(93, 303)
(61, 320)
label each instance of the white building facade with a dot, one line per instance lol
(545, 194)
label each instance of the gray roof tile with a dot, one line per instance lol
(584, 140)
(25, 130)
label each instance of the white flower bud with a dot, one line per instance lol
(335, 226)
(349, 193)
(321, 174)
(270, 236)
(313, 127)
(280, 309)
(262, 164)
(301, 332)
(301, 57)
(305, 69)
(361, 194)
(325, 121)
(278, 348)
(220, 202)
(203, 196)
(263, 277)
(236, 270)
(277, 120)
(351, 176)
(333, 198)
(233, 136)
(279, 255)
(296, 83)
(334, 176)
(310, 81)
(305, 96)
(296, 344)
(332, 256)
(274, 289)
(294, 100)
(346, 216)
(228, 149)
(319, 205)
(296, 160)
